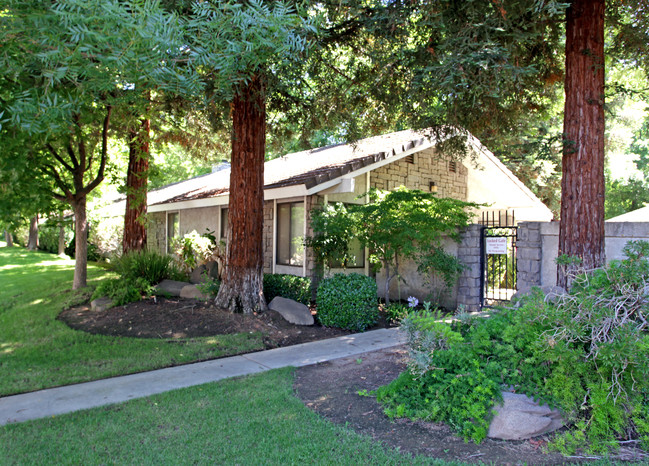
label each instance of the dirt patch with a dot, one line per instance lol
(331, 389)
(185, 318)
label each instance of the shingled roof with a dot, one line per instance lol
(309, 168)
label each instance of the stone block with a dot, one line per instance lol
(519, 417)
(101, 304)
(192, 292)
(533, 254)
(170, 287)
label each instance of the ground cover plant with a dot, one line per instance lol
(38, 351)
(218, 423)
(287, 286)
(584, 352)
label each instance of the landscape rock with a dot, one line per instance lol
(170, 287)
(192, 292)
(553, 292)
(197, 275)
(519, 417)
(294, 312)
(101, 304)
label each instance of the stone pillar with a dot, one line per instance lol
(528, 256)
(469, 254)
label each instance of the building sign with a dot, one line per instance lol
(496, 245)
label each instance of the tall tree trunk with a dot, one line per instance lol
(32, 242)
(61, 235)
(136, 189)
(242, 286)
(581, 232)
(9, 239)
(80, 244)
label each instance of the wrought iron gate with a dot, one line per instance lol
(498, 278)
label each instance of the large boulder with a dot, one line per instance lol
(101, 304)
(294, 312)
(192, 292)
(170, 287)
(519, 417)
(211, 269)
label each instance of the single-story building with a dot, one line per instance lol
(295, 183)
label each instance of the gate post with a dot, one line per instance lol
(469, 254)
(529, 256)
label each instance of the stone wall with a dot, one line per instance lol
(157, 232)
(428, 166)
(269, 209)
(469, 254)
(538, 243)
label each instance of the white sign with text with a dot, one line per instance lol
(496, 245)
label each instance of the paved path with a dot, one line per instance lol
(61, 400)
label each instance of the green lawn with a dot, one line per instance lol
(249, 420)
(37, 351)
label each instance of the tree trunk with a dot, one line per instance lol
(32, 242)
(9, 239)
(581, 231)
(80, 244)
(242, 286)
(386, 290)
(61, 236)
(136, 189)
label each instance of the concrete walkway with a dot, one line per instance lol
(61, 400)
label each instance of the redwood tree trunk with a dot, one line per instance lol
(80, 244)
(136, 189)
(9, 239)
(32, 241)
(581, 232)
(242, 286)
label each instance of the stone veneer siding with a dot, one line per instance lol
(469, 254)
(157, 232)
(428, 166)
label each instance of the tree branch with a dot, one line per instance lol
(48, 169)
(58, 157)
(73, 157)
(104, 153)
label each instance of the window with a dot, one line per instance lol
(173, 229)
(290, 233)
(224, 222)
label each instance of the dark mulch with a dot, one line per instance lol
(186, 318)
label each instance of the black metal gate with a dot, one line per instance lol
(498, 239)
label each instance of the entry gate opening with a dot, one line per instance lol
(498, 240)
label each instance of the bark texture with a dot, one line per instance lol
(32, 241)
(136, 187)
(242, 286)
(581, 232)
(80, 244)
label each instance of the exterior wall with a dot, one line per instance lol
(157, 232)
(429, 166)
(200, 219)
(538, 243)
(269, 239)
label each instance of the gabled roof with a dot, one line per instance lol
(309, 168)
(638, 215)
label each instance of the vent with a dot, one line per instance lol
(410, 158)
(452, 166)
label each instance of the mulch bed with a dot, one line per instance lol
(171, 318)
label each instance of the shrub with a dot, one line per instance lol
(122, 291)
(287, 286)
(194, 249)
(209, 286)
(585, 353)
(348, 302)
(396, 312)
(149, 265)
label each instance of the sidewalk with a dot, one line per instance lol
(61, 400)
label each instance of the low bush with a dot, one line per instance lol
(287, 286)
(585, 352)
(194, 249)
(138, 271)
(209, 286)
(348, 302)
(149, 265)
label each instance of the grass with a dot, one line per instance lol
(37, 351)
(249, 420)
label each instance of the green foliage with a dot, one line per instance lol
(149, 265)
(396, 312)
(194, 249)
(209, 286)
(48, 236)
(122, 291)
(287, 286)
(625, 196)
(334, 227)
(410, 224)
(348, 302)
(584, 352)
